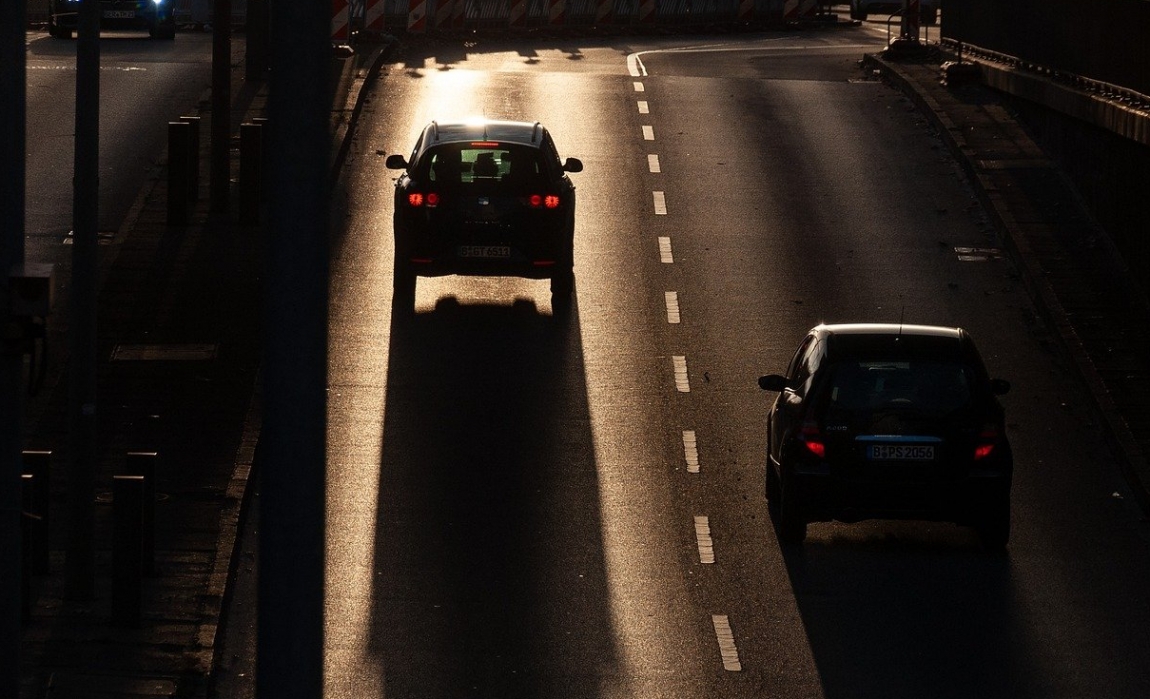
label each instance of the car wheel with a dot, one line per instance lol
(563, 291)
(791, 523)
(993, 526)
(855, 14)
(773, 488)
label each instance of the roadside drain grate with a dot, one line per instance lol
(163, 353)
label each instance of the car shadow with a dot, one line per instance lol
(488, 549)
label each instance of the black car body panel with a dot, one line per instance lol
(892, 422)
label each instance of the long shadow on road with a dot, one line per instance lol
(490, 577)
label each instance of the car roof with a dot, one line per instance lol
(894, 339)
(522, 132)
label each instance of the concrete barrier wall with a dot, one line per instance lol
(1107, 40)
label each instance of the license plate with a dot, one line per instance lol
(119, 14)
(485, 251)
(900, 452)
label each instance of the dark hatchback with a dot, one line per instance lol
(156, 16)
(485, 198)
(877, 421)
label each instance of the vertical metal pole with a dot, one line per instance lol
(82, 452)
(220, 168)
(179, 171)
(292, 469)
(127, 542)
(12, 153)
(251, 177)
(193, 157)
(143, 464)
(38, 464)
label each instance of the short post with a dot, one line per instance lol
(179, 144)
(127, 503)
(251, 157)
(143, 464)
(38, 464)
(194, 157)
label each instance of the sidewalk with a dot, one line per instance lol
(178, 354)
(1071, 271)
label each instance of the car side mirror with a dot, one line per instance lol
(773, 382)
(1000, 387)
(573, 165)
(396, 162)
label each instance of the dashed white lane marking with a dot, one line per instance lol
(638, 86)
(660, 204)
(682, 382)
(703, 537)
(666, 256)
(648, 133)
(691, 451)
(672, 299)
(643, 108)
(727, 647)
(653, 163)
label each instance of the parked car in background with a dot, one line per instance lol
(156, 16)
(888, 421)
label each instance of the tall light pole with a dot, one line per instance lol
(13, 122)
(293, 437)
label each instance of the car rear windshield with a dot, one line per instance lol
(506, 166)
(926, 387)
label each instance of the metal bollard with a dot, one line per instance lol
(143, 464)
(194, 159)
(38, 464)
(179, 145)
(251, 167)
(127, 536)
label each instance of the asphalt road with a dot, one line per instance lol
(143, 83)
(524, 506)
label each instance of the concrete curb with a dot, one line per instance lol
(1132, 461)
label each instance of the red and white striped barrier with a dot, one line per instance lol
(517, 14)
(604, 9)
(808, 9)
(445, 12)
(791, 10)
(373, 16)
(417, 17)
(647, 11)
(340, 22)
(556, 12)
(746, 10)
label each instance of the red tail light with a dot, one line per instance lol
(417, 199)
(812, 439)
(986, 441)
(548, 201)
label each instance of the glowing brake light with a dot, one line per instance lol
(812, 439)
(484, 144)
(417, 199)
(549, 201)
(986, 441)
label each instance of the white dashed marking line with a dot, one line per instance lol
(672, 299)
(706, 546)
(726, 639)
(666, 256)
(682, 382)
(638, 86)
(653, 163)
(648, 133)
(660, 204)
(691, 451)
(643, 108)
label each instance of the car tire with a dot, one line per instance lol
(57, 31)
(791, 524)
(773, 489)
(855, 14)
(993, 526)
(163, 31)
(563, 291)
